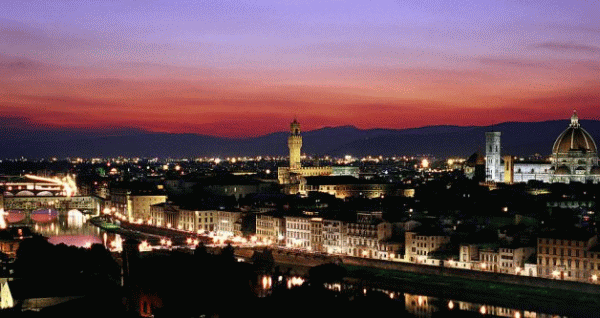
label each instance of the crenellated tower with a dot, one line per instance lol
(295, 144)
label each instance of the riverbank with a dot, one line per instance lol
(485, 276)
(527, 293)
(113, 228)
(561, 302)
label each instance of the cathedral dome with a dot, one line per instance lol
(574, 138)
(475, 159)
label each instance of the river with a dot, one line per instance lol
(77, 231)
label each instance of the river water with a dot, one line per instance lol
(77, 231)
(420, 306)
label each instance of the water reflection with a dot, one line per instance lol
(266, 283)
(426, 306)
(74, 230)
(75, 219)
(418, 305)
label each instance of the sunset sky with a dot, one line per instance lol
(246, 68)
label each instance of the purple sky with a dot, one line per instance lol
(241, 68)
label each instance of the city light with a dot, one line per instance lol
(2, 219)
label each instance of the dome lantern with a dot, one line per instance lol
(574, 120)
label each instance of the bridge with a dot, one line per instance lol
(32, 185)
(32, 199)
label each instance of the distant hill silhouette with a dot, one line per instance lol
(19, 138)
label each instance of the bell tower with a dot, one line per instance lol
(493, 163)
(295, 143)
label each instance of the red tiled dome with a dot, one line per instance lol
(574, 138)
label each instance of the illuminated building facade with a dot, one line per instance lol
(503, 259)
(290, 176)
(419, 245)
(316, 236)
(183, 218)
(270, 228)
(366, 239)
(229, 223)
(345, 186)
(134, 200)
(574, 159)
(334, 236)
(572, 255)
(298, 231)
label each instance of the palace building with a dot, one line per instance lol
(291, 176)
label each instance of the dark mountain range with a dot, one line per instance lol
(21, 139)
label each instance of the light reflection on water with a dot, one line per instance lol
(74, 230)
(425, 306)
(418, 305)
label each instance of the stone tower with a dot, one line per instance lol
(295, 143)
(493, 162)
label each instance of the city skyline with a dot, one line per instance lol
(243, 70)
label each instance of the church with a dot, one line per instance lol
(574, 159)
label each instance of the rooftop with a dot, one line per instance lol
(576, 234)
